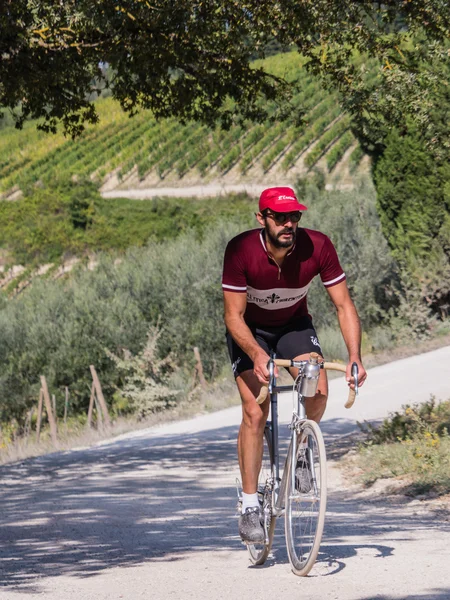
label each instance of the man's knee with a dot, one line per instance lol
(254, 417)
(315, 406)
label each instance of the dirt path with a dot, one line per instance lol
(151, 515)
(201, 191)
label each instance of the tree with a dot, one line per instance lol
(192, 59)
(410, 191)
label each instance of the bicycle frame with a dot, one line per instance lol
(279, 484)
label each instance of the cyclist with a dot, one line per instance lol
(266, 276)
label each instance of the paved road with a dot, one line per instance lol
(150, 515)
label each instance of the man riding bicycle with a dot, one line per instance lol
(266, 276)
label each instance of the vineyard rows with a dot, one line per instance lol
(143, 146)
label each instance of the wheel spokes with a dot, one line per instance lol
(305, 505)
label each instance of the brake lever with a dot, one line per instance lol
(355, 376)
(271, 368)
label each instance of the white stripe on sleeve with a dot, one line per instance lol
(233, 287)
(326, 283)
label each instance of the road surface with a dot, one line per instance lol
(151, 515)
(208, 190)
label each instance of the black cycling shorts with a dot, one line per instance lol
(287, 341)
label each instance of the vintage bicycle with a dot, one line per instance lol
(300, 494)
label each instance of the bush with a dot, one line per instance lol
(413, 445)
(59, 329)
(45, 224)
(421, 463)
(332, 343)
(145, 378)
(431, 416)
(410, 185)
(351, 221)
(71, 218)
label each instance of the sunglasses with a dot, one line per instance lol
(281, 218)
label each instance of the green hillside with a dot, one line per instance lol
(141, 150)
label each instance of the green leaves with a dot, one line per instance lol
(189, 59)
(410, 187)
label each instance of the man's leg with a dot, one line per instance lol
(250, 450)
(315, 405)
(251, 432)
(250, 439)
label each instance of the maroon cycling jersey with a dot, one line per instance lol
(277, 295)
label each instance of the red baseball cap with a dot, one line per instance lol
(280, 199)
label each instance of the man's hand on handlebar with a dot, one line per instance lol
(362, 375)
(260, 367)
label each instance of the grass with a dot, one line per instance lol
(422, 462)
(73, 219)
(133, 222)
(216, 396)
(412, 446)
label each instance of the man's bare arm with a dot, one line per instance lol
(350, 326)
(235, 305)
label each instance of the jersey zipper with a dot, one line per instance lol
(279, 268)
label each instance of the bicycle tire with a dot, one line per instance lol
(259, 552)
(305, 510)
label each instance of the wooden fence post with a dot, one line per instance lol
(39, 415)
(199, 367)
(99, 414)
(28, 424)
(66, 408)
(48, 408)
(91, 406)
(54, 409)
(101, 399)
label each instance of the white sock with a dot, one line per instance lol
(249, 501)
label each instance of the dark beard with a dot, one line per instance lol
(276, 243)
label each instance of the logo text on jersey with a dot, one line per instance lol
(276, 298)
(315, 341)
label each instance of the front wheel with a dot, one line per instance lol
(306, 498)
(259, 552)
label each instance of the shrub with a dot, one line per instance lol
(72, 218)
(351, 221)
(145, 378)
(413, 444)
(421, 462)
(59, 328)
(47, 223)
(410, 185)
(332, 343)
(431, 416)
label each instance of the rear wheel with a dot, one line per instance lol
(259, 552)
(306, 498)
